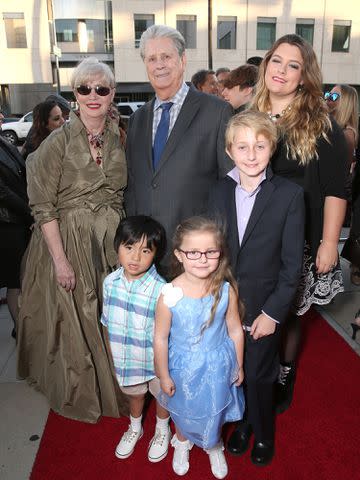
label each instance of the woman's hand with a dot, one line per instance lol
(326, 257)
(65, 274)
(167, 386)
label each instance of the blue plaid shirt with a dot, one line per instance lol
(128, 314)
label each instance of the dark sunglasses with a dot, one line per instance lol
(99, 90)
(332, 96)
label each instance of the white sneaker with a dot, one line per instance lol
(180, 462)
(159, 444)
(218, 463)
(127, 443)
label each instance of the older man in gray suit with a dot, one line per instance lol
(175, 143)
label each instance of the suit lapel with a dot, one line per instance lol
(262, 199)
(146, 125)
(231, 220)
(187, 112)
(148, 128)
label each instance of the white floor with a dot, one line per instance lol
(23, 411)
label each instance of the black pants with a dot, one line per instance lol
(261, 372)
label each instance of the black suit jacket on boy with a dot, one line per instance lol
(268, 264)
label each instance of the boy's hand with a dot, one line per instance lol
(262, 326)
(167, 386)
(240, 378)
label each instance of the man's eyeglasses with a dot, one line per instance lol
(196, 254)
(332, 96)
(99, 90)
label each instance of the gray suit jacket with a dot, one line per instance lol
(193, 160)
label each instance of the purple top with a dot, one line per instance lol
(244, 201)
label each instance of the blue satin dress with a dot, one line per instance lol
(203, 367)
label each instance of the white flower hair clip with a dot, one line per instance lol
(171, 294)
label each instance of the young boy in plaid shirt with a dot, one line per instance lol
(130, 297)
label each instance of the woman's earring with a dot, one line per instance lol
(300, 87)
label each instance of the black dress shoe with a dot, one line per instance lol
(262, 453)
(238, 442)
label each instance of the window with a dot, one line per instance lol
(341, 36)
(66, 30)
(15, 30)
(141, 23)
(266, 32)
(226, 33)
(186, 24)
(305, 28)
(28, 117)
(84, 35)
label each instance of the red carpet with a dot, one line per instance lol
(317, 439)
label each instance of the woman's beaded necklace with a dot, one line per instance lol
(276, 116)
(97, 141)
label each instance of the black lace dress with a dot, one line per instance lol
(323, 176)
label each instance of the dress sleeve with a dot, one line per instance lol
(130, 202)
(44, 170)
(333, 163)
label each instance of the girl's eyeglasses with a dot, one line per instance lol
(99, 90)
(332, 96)
(196, 254)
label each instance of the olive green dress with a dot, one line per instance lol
(62, 349)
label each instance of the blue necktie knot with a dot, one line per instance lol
(166, 106)
(161, 133)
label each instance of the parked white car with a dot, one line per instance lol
(128, 108)
(17, 131)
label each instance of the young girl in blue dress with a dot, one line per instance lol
(199, 344)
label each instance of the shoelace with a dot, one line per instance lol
(159, 437)
(130, 435)
(284, 372)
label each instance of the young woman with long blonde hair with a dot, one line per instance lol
(310, 152)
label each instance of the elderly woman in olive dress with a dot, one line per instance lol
(76, 180)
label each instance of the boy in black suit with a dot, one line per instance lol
(264, 220)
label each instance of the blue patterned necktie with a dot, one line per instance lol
(161, 133)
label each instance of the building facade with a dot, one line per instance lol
(25, 73)
(42, 40)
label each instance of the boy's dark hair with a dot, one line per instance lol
(244, 76)
(133, 229)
